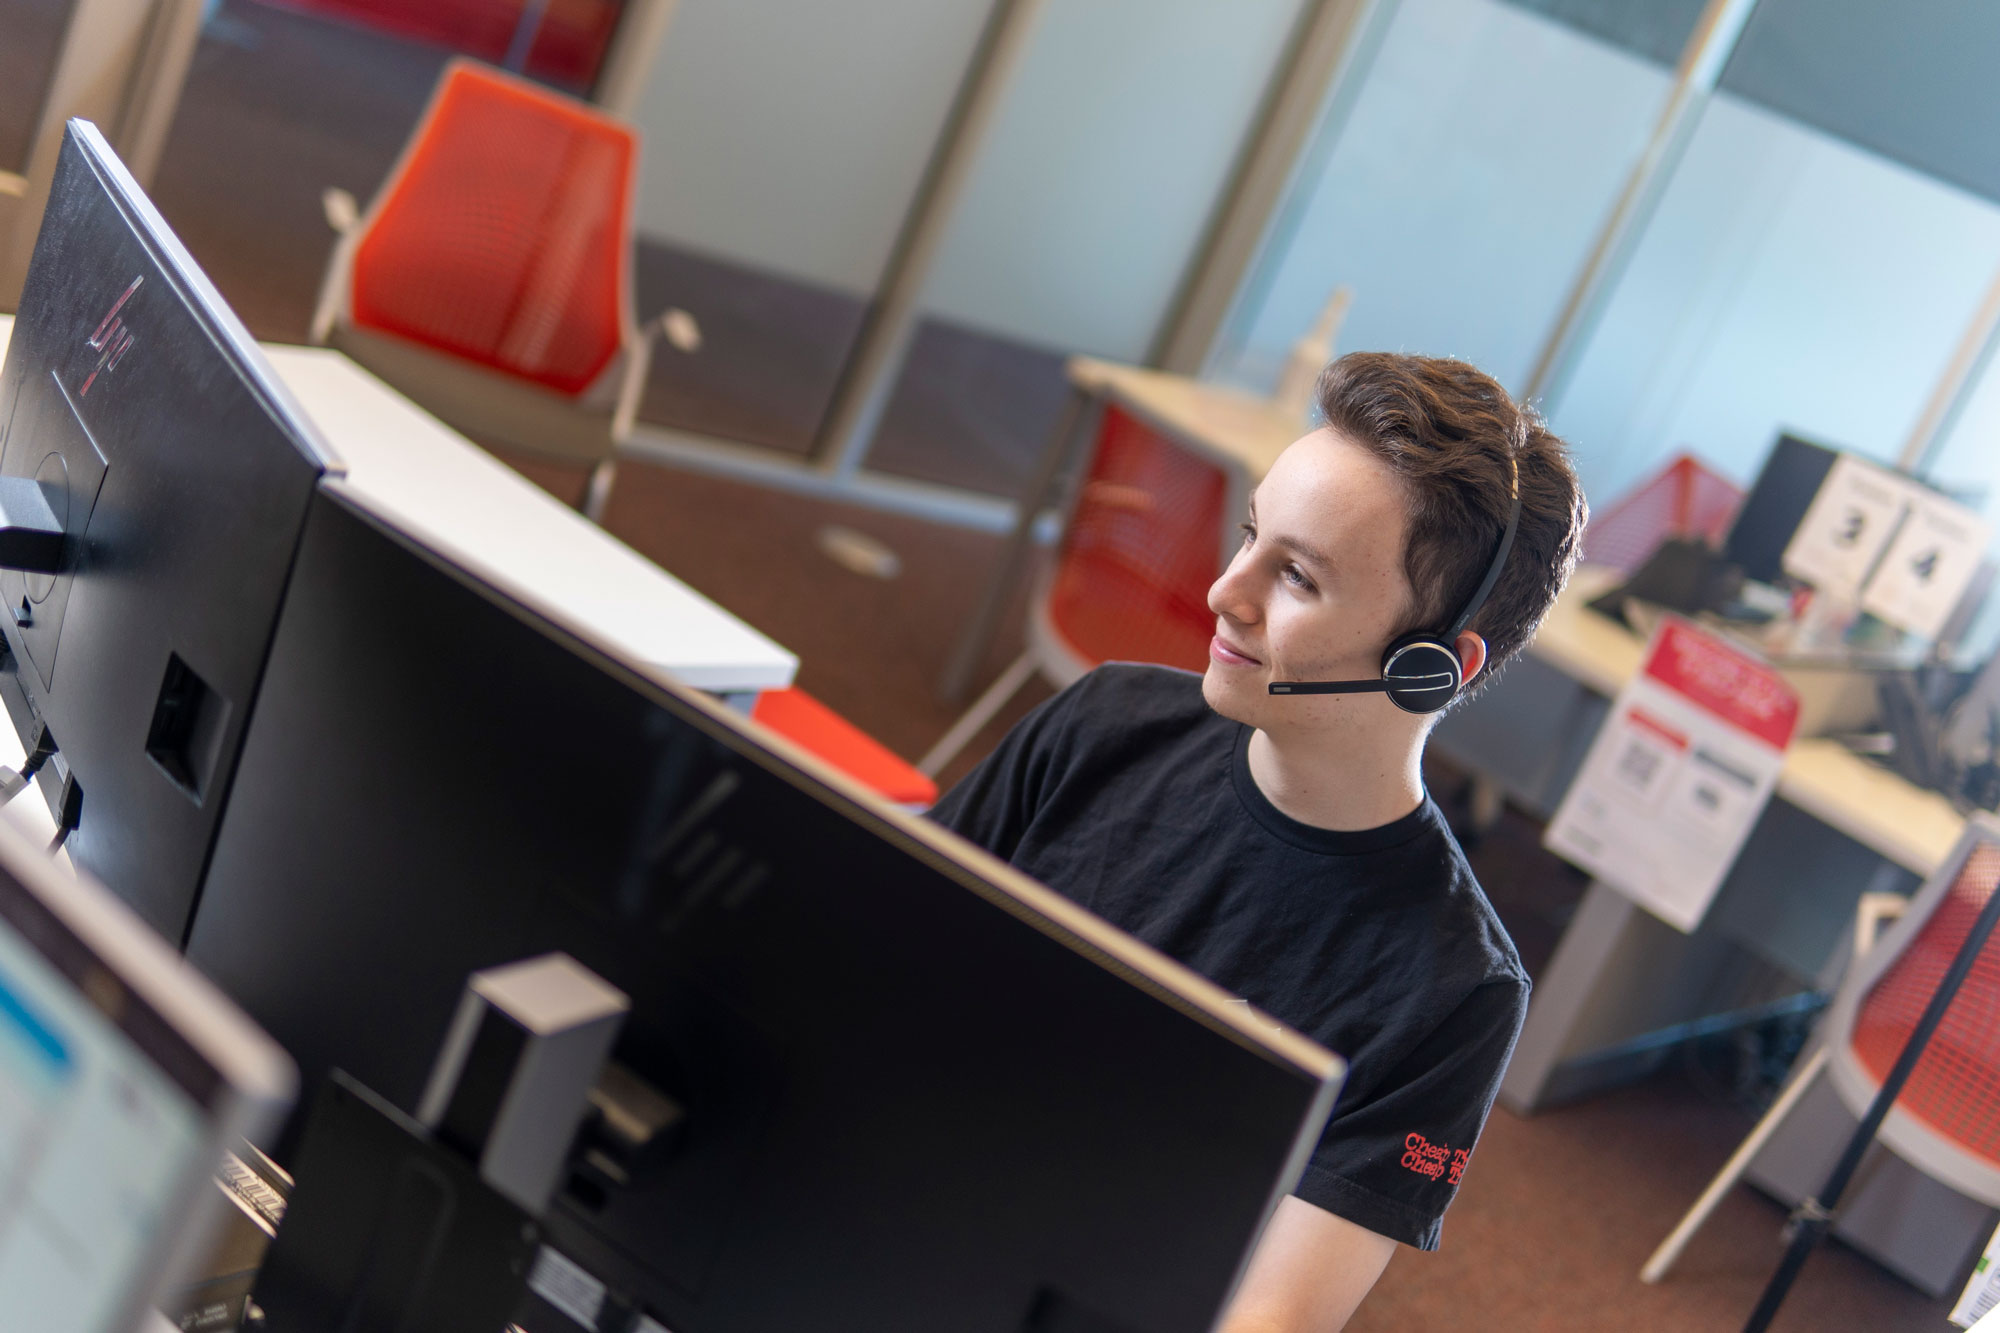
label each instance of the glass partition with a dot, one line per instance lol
(1457, 188)
(1787, 282)
(784, 143)
(1087, 203)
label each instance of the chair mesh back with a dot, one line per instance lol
(1955, 1088)
(504, 240)
(1684, 499)
(1143, 546)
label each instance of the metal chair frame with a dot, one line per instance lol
(1832, 1052)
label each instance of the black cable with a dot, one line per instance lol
(13, 781)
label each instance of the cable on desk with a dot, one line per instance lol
(14, 781)
(67, 806)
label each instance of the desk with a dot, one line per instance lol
(475, 510)
(1905, 824)
(1622, 985)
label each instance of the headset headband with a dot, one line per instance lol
(1485, 588)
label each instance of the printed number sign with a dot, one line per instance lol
(1930, 561)
(1678, 774)
(1849, 521)
(1904, 552)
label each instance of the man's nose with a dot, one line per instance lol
(1230, 594)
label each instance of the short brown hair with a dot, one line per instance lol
(1455, 438)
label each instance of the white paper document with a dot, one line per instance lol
(1679, 773)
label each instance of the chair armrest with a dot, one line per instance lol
(681, 330)
(682, 333)
(340, 209)
(1871, 914)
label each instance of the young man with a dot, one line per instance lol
(1283, 845)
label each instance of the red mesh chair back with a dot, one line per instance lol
(1955, 1088)
(570, 40)
(1684, 499)
(505, 235)
(1141, 550)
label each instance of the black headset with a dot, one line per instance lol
(1421, 672)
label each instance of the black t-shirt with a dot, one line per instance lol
(1129, 795)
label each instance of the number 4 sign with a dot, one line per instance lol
(1678, 774)
(1930, 560)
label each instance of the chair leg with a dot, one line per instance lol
(1670, 1249)
(976, 717)
(597, 493)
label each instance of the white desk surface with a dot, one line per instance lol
(410, 467)
(1904, 823)
(475, 509)
(1238, 425)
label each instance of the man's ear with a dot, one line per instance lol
(1471, 653)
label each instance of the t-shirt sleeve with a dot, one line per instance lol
(994, 803)
(1392, 1163)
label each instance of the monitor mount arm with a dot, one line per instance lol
(31, 536)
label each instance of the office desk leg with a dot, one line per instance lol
(1622, 989)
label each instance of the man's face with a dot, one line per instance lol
(1316, 589)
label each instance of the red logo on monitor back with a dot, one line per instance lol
(112, 339)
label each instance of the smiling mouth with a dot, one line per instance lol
(1227, 653)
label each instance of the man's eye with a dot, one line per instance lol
(1249, 532)
(1296, 577)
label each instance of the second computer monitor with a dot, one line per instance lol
(179, 476)
(1775, 506)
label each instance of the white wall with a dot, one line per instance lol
(1460, 197)
(1103, 168)
(789, 135)
(1789, 281)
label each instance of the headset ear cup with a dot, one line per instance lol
(1423, 672)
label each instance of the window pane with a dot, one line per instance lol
(784, 142)
(1912, 80)
(1656, 29)
(1461, 195)
(1788, 281)
(1084, 210)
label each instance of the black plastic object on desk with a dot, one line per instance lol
(390, 1232)
(1685, 574)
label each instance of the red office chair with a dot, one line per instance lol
(1946, 1121)
(1684, 499)
(1131, 579)
(818, 730)
(491, 278)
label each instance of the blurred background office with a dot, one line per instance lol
(1679, 227)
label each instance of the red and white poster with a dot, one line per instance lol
(1678, 774)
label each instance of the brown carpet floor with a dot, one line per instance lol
(1558, 1211)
